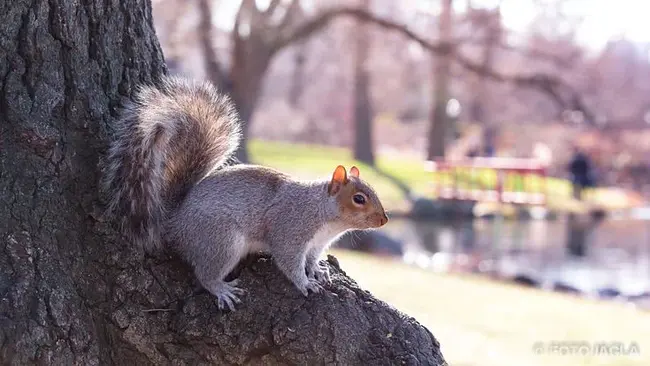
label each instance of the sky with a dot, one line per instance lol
(603, 19)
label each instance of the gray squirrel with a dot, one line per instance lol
(169, 181)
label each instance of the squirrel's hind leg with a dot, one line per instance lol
(219, 259)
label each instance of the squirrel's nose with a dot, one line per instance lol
(383, 220)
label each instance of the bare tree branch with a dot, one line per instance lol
(484, 20)
(292, 10)
(549, 84)
(246, 9)
(273, 5)
(213, 68)
(564, 61)
(257, 17)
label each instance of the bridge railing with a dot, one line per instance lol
(505, 180)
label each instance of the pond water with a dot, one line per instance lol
(605, 258)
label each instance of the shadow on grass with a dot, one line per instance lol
(400, 184)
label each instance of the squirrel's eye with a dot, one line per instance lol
(359, 199)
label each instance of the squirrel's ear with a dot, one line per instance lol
(354, 171)
(339, 178)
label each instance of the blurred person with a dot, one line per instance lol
(581, 171)
(473, 153)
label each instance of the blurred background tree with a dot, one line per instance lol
(242, 51)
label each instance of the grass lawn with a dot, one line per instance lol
(312, 161)
(484, 323)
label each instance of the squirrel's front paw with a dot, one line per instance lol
(320, 273)
(310, 285)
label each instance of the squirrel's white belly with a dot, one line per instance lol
(325, 236)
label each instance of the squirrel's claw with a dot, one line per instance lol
(234, 289)
(227, 295)
(311, 285)
(223, 302)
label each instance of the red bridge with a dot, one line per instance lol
(506, 180)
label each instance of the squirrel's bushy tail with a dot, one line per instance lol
(169, 138)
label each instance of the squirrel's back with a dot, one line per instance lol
(169, 138)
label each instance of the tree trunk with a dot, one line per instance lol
(72, 291)
(245, 94)
(246, 107)
(250, 60)
(440, 121)
(438, 130)
(298, 78)
(363, 113)
(492, 28)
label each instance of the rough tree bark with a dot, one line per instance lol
(363, 147)
(72, 292)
